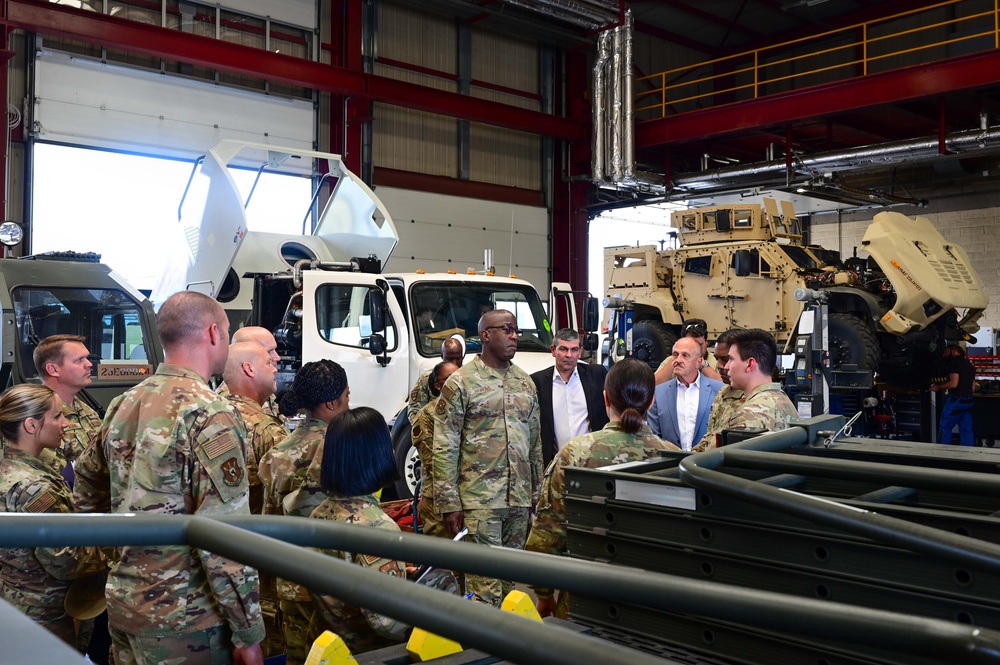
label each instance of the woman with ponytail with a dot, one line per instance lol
(628, 394)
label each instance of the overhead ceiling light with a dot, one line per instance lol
(801, 190)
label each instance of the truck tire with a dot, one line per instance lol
(406, 456)
(852, 342)
(652, 341)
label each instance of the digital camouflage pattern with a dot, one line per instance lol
(264, 431)
(171, 446)
(607, 446)
(423, 441)
(727, 399)
(285, 472)
(487, 451)
(362, 629)
(420, 396)
(767, 407)
(35, 580)
(496, 527)
(84, 426)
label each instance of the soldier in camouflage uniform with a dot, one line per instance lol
(727, 399)
(628, 394)
(423, 441)
(452, 351)
(250, 375)
(357, 462)
(170, 445)
(35, 580)
(290, 473)
(487, 450)
(63, 364)
(764, 405)
(263, 337)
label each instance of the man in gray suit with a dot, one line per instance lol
(680, 411)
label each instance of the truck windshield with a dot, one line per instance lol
(109, 321)
(441, 309)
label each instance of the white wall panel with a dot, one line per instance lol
(84, 102)
(439, 233)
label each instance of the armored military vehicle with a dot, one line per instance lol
(738, 266)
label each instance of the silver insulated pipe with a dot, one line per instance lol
(488, 264)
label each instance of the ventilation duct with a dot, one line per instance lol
(613, 160)
(588, 14)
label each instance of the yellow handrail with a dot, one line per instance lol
(760, 71)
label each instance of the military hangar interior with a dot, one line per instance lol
(544, 131)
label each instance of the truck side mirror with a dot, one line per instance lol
(376, 309)
(590, 341)
(376, 344)
(741, 262)
(591, 314)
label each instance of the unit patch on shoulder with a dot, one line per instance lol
(41, 503)
(232, 472)
(441, 407)
(220, 445)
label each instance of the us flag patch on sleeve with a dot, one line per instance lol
(41, 503)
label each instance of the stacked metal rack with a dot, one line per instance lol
(891, 525)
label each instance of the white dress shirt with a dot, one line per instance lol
(687, 410)
(569, 408)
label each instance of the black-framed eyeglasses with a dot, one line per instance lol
(507, 328)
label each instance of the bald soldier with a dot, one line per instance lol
(250, 376)
(487, 449)
(263, 337)
(172, 446)
(452, 351)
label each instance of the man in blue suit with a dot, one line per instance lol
(680, 411)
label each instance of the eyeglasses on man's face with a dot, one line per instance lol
(507, 328)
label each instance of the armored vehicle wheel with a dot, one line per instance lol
(852, 343)
(652, 341)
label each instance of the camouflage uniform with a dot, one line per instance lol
(264, 431)
(727, 399)
(423, 441)
(172, 446)
(84, 426)
(420, 396)
(292, 468)
(270, 406)
(487, 456)
(767, 407)
(362, 629)
(607, 446)
(35, 580)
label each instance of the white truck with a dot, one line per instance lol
(324, 293)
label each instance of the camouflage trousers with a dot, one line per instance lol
(431, 521)
(204, 647)
(55, 620)
(301, 625)
(274, 642)
(502, 527)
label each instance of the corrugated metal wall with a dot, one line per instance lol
(426, 143)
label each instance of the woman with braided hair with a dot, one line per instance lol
(290, 473)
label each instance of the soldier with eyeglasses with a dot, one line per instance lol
(697, 330)
(487, 449)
